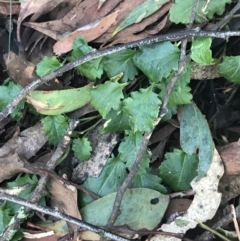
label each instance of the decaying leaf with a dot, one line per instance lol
(204, 205)
(65, 198)
(24, 146)
(89, 32)
(142, 11)
(37, 8)
(78, 17)
(23, 72)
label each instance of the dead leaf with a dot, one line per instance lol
(132, 32)
(18, 149)
(5, 8)
(82, 14)
(89, 32)
(37, 8)
(162, 25)
(65, 198)
(23, 72)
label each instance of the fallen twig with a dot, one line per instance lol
(62, 216)
(22, 213)
(100, 53)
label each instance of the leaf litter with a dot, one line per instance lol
(115, 112)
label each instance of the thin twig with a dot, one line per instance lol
(224, 20)
(59, 215)
(39, 191)
(100, 53)
(41, 171)
(182, 63)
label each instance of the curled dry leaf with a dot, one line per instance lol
(82, 14)
(23, 72)
(65, 198)
(89, 32)
(5, 8)
(37, 8)
(24, 146)
(204, 205)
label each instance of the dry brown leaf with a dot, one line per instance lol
(13, 153)
(82, 14)
(5, 8)
(23, 72)
(89, 32)
(129, 33)
(162, 25)
(37, 8)
(65, 198)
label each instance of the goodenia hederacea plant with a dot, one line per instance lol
(47, 65)
(230, 68)
(181, 93)
(111, 177)
(82, 148)
(178, 169)
(142, 109)
(157, 60)
(201, 52)
(121, 63)
(55, 128)
(92, 69)
(7, 93)
(107, 96)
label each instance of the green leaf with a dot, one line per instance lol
(139, 13)
(181, 93)
(148, 180)
(142, 108)
(92, 69)
(55, 128)
(230, 68)
(111, 177)
(121, 62)
(57, 102)
(201, 52)
(129, 148)
(180, 11)
(7, 93)
(5, 217)
(82, 148)
(141, 208)
(116, 121)
(47, 65)
(107, 96)
(195, 136)
(26, 192)
(157, 60)
(178, 170)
